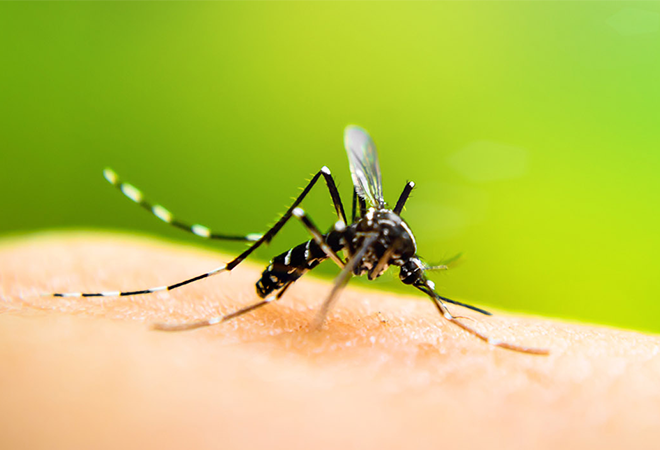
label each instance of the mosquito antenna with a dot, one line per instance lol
(170, 287)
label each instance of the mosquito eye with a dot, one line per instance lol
(406, 275)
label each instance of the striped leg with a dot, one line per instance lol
(141, 291)
(426, 287)
(240, 258)
(219, 319)
(318, 237)
(166, 216)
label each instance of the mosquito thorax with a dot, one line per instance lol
(394, 246)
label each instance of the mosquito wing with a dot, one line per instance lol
(365, 170)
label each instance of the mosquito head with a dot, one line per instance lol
(394, 244)
(412, 271)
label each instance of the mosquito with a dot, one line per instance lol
(376, 238)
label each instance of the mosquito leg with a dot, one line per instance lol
(318, 237)
(354, 207)
(166, 216)
(363, 206)
(267, 237)
(219, 319)
(334, 193)
(287, 215)
(429, 290)
(437, 301)
(403, 197)
(215, 271)
(341, 281)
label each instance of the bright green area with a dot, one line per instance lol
(532, 130)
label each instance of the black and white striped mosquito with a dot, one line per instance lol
(375, 238)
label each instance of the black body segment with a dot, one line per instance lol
(292, 264)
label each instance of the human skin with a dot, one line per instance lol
(386, 371)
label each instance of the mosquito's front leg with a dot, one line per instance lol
(426, 287)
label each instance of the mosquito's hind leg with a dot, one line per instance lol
(166, 216)
(220, 319)
(267, 237)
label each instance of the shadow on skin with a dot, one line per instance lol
(386, 371)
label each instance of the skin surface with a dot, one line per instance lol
(386, 371)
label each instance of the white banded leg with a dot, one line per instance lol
(166, 216)
(437, 301)
(219, 319)
(141, 291)
(268, 236)
(136, 195)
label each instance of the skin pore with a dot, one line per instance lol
(386, 371)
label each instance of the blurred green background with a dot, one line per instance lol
(531, 130)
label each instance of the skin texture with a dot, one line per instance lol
(385, 372)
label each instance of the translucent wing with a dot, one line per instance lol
(365, 170)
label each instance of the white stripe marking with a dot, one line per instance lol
(200, 230)
(162, 213)
(298, 212)
(110, 293)
(158, 289)
(110, 175)
(307, 250)
(131, 192)
(325, 170)
(72, 294)
(218, 270)
(412, 237)
(287, 258)
(253, 237)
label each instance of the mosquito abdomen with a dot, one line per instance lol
(292, 264)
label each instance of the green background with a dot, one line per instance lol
(531, 130)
